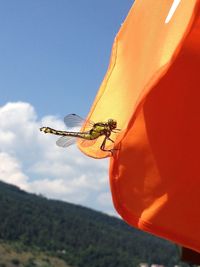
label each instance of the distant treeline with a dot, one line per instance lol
(80, 236)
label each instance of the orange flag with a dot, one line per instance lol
(152, 89)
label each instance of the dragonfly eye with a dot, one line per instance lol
(112, 123)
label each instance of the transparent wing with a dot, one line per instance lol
(73, 120)
(66, 141)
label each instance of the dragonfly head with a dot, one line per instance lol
(112, 124)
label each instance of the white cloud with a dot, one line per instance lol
(11, 172)
(31, 160)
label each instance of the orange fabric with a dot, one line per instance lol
(152, 90)
(142, 52)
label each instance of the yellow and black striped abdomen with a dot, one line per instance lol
(53, 131)
(84, 135)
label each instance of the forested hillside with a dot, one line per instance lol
(13, 254)
(80, 236)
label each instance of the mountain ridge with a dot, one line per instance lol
(87, 237)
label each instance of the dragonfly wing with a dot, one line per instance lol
(66, 141)
(73, 120)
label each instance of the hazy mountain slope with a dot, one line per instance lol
(12, 255)
(80, 236)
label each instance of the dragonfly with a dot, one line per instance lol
(96, 130)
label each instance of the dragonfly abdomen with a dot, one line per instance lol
(84, 135)
(52, 131)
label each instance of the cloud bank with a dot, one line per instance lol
(32, 161)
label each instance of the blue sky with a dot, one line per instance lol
(53, 57)
(54, 54)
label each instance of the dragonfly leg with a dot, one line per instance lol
(104, 143)
(108, 138)
(116, 130)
